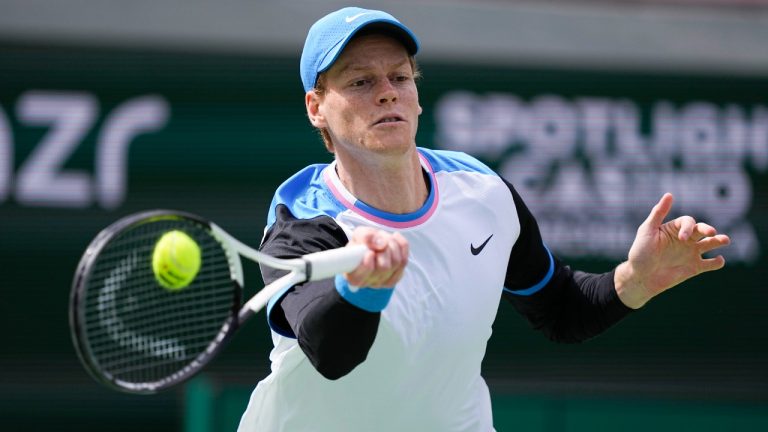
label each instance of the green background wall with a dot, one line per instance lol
(236, 128)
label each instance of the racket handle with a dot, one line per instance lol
(327, 264)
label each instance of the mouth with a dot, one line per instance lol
(389, 119)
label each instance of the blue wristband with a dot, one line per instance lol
(368, 299)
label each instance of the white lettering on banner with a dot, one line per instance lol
(590, 173)
(136, 116)
(42, 179)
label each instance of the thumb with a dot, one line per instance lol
(660, 211)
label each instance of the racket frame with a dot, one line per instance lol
(83, 272)
(309, 267)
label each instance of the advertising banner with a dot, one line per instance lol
(87, 136)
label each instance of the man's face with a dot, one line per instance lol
(370, 101)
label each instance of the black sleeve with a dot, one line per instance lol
(572, 306)
(334, 334)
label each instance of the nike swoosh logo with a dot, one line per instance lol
(477, 250)
(349, 19)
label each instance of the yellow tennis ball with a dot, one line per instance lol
(175, 260)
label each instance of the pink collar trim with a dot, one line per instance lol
(391, 220)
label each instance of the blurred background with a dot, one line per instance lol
(592, 109)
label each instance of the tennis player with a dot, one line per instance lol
(397, 344)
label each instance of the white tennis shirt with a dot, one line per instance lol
(423, 371)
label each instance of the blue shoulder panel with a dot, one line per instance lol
(306, 195)
(449, 161)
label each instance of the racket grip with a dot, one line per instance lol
(327, 264)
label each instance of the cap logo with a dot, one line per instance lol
(349, 19)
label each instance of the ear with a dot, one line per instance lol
(312, 100)
(420, 109)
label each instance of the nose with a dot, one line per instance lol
(387, 92)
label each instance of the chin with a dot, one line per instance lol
(390, 144)
(392, 149)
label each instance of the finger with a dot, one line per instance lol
(383, 260)
(394, 279)
(399, 249)
(379, 241)
(712, 264)
(363, 235)
(384, 250)
(402, 242)
(371, 237)
(660, 211)
(711, 243)
(685, 226)
(378, 278)
(388, 262)
(377, 270)
(395, 254)
(391, 262)
(702, 230)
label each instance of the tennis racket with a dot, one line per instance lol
(134, 336)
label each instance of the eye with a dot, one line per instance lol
(359, 82)
(401, 78)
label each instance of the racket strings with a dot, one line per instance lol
(139, 332)
(147, 315)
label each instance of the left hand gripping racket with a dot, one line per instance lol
(135, 336)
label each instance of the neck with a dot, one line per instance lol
(394, 184)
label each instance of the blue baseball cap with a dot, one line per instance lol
(330, 34)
